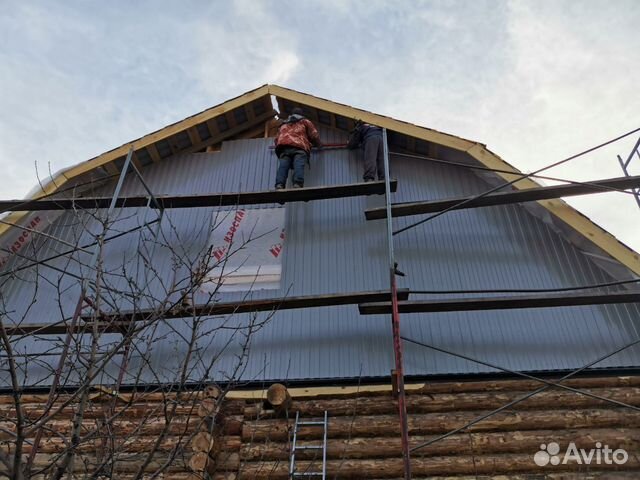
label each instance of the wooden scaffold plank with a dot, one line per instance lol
(205, 200)
(504, 198)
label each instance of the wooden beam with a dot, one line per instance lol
(501, 303)
(153, 153)
(251, 133)
(504, 198)
(136, 161)
(194, 137)
(121, 321)
(205, 200)
(266, 305)
(231, 132)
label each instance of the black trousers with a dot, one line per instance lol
(373, 158)
(291, 157)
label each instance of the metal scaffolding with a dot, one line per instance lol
(393, 302)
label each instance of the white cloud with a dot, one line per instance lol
(282, 69)
(243, 49)
(566, 90)
(535, 81)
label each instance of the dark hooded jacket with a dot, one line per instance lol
(361, 133)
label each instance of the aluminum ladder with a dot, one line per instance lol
(294, 447)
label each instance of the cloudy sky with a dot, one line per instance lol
(536, 81)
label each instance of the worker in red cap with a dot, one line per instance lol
(293, 146)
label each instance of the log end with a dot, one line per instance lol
(278, 396)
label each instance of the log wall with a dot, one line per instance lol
(240, 436)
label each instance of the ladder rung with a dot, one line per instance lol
(307, 474)
(310, 447)
(310, 423)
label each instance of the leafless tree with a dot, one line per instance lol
(122, 375)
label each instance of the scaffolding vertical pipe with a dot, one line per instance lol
(78, 310)
(152, 199)
(625, 168)
(395, 317)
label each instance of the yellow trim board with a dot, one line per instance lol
(389, 123)
(311, 392)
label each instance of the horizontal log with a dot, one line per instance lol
(129, 400)
(485, 443)
(34, 412)
(132, 397)
(501, 303)
(177, 426)
(393, 467)
(592, 474)
(490, 385)
(446, 402)
(150, 476)
(203, 200)
(125, 444)
(437, 423)
(126, 463)
(124, 427)
(504, 198)
(135, 444)
(174, 476)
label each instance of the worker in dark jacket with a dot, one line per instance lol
(293, 146)
(370, 138)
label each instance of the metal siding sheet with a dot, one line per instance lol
(331, 248)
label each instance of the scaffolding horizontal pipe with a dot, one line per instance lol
(122, 320)
(504, 198)
(499, 303)
(204, 200)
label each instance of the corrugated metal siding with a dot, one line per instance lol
(330, 248)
